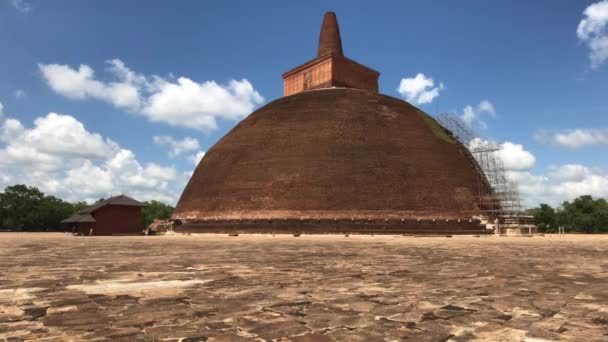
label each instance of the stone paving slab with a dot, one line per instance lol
(55, 287)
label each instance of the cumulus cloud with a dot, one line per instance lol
(577, 180)
(486, 106)
(121, 173)
(61, 135)
(81, 84)
(11, 129)
(562, 183)
(575, 138)
(420, 89)
(182, 102)
(472, 114)
(65, 159)
(514, 157)
(1, 111)
(21, 6)
(53, 139)
(570, 172)
(593, 31)
(197, 157)
(200, 104)
(177, 146)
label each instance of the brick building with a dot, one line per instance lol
(119, 215)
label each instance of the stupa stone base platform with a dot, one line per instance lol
(334, 226)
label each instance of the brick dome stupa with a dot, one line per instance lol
(334, 156)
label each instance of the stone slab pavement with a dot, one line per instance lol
(55, 287)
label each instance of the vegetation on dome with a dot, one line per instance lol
(437, 129)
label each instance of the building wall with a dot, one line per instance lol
(315, 76)
(81, 228)
(349, 74)
(117, 220)
(331, 71)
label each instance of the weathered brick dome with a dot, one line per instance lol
(334, 155)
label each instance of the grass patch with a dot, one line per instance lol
(437, 129)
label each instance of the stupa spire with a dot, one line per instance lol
(330, 69)
(329, 38)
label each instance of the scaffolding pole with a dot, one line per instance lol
(497, 194)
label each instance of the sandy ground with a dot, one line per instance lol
(311, 288)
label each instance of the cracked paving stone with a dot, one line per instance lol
(313, 288)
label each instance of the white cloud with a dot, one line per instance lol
(570, 172)
(123, 73)
(11, 129)
(468, 115)
(593, 31)
(1, 111)
(196, 158)
(81, 84)
(183, 103)
(64, 159)
(514, 157)
(420, 89)
(582, 137)
(177, 146)
(472, 114)
(575, 138)
(486, 106)
(579, 138)
(53, 136)
(200, 104)
(563, 183)
(122, 173)
(21, 6)
(594, 183)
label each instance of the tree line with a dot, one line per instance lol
(583, 215)
(25, 208)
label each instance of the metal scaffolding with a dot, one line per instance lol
(497, 194)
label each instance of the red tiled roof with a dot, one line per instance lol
(116, 200)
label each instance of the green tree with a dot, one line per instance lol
(601, 215)
(544, 217)
(584, 214)
(78, 206)
(19, 206)
(51, 210)
(25, 208)
(155, 210)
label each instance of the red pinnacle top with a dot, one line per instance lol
(330, 68)
(329, 39)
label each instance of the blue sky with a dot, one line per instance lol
(532, 75)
